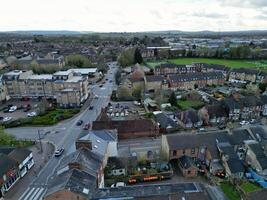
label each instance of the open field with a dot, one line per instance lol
(259, 64)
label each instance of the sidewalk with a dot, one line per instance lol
(40, 159)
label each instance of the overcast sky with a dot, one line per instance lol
(133, 15)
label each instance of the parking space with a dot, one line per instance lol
(125, 110)
(13, 110)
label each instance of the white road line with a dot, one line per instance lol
(33, 195)
(24, 193)
(38, 194)
(27, 194)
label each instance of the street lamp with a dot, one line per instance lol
(39, 136)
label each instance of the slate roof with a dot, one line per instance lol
(154, 78)
(199, 140)
(195, 76)
(259, 131)
(165, 121)
(149, 191)
(186, 162)
(6, 163)
(6, 150)
(19, 154)
(259, 152)
(89, 161)
(217, 111)
(75, 181)
(238, 136)
(245, 70)
(235, 166)
(232, 103)
(188, 116)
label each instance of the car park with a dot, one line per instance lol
(79, 123)
(59, 152)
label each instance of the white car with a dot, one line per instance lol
(243, 123)
(31, 114)
(118, 184)
(6, 119)
(12, 109)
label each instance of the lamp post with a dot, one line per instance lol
(40, 140)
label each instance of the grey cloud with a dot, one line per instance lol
(208, 15)
(244, 3)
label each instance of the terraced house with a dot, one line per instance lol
(193, 80)
(70, 88)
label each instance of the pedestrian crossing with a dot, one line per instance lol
(33, 193)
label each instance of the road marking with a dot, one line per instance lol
(38, 194)
(27, 194)
(35, 192)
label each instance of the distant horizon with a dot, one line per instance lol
(103, 16)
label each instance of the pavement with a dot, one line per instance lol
(64, 134)
(40, 159)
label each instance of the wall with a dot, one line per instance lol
(65, 195)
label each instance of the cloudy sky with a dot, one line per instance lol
(133, 15)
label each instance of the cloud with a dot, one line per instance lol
(245, 3)
(209, 15)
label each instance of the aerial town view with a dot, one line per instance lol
(133, 100)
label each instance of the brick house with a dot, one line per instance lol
(187, 166)
(243, 74)
(153, 83)
(192, 80)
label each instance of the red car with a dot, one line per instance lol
(86, 126)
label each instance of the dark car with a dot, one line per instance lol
(222, 126)
(86, 126)
(100, 85)
(59, 152)
(91, 107)
(6, 110)
(79, 123)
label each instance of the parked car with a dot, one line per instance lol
(6, 119)
(243, 123)
(6, 110)
(59, 152)
(222, 126)
(31, 114)
(27, 107)
(118, 184)
(101, 85)
(91, 107)
(79, 123)
(201, 129)
(12, 109)
(86, 126)
(252, 121)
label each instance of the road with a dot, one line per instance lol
(67, 133)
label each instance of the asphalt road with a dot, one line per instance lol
(64, 134)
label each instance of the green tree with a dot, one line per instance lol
(138, 56)
(172, 99)
(118, 77)
(137, 93)
(262, 87)
(78, 61)
(127, 57)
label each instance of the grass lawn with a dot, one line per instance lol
(189, 104)
(230, 191)
(250, 187)
(50, 118)
(260, 64)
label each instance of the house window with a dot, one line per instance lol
(174, 153)
(193, 151)
(188, 172)
(183, 151)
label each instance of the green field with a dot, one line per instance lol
(250, 187)
(229, 63)
(230, 191)
(189, 104)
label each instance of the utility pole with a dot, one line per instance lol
(39, 135)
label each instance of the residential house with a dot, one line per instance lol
(116, 166)
(256, 157)
(259, 133)
(166, 123)
(212, 68)
(127, 128)
(193, 80)
(78, 175)
(189, 118)
(103, 142)
(14, 164)
(243, 75)
(232, 164)
(216, 114)
(187, 166)
(154, 83)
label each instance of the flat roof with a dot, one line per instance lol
(62, 73)
(74, 79)
(84, 70)
(14, 73)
